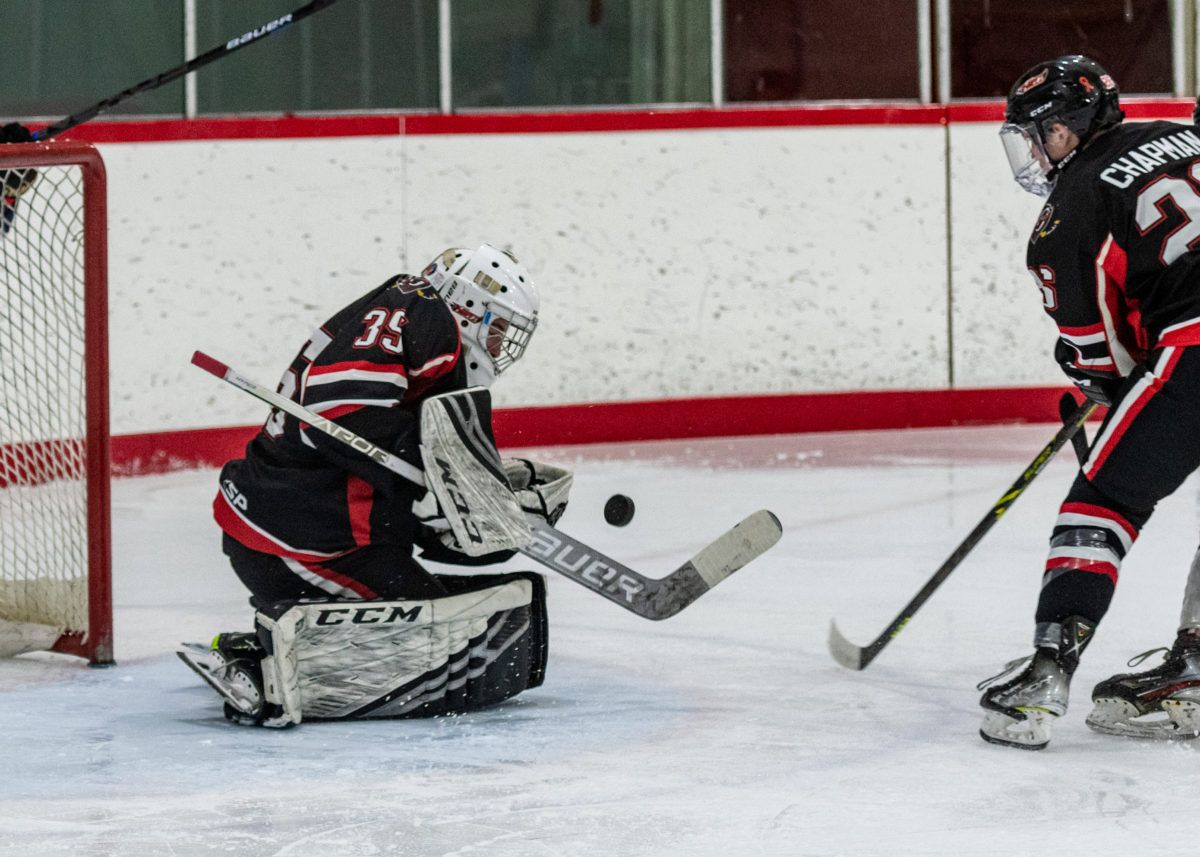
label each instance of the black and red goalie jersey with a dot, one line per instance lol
(1114, 251)
(303, 496)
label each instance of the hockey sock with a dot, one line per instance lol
(1090, 539)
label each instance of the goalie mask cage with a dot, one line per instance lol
(55, 546)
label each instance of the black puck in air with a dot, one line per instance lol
(618, 511)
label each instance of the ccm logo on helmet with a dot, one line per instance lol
(386, 615)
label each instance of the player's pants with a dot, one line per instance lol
(374, 572)
(1146, 447)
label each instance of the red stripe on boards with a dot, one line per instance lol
(810, 115)
(556, 122)
(617, 422)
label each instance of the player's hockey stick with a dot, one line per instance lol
(269, 28)
(1079, 441)
(648, 597)
(858, 657)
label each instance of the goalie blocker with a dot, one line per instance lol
(344, 660)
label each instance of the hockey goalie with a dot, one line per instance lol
(347, 622)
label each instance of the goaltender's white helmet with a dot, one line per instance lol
(495, 303)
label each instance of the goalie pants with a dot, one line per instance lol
(1148, 444)
(370, 573)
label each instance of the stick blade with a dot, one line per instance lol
(844, 652)
(740, 545)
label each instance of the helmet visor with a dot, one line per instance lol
(1027, 157)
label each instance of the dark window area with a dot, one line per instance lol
(60, 56)
(993, 41)
(784, 50)
(370, 54)
(518, 53)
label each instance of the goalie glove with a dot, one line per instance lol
(541, 489)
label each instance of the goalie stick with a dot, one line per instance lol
(854, 657)
(648, 597)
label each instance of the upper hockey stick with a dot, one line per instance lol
(648, 597)
(267, 29)
(858, 657)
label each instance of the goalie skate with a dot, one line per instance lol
(1162, 703)
(230, 667)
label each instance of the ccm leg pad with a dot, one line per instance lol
(483, 643)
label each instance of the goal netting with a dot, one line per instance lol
(54, 458)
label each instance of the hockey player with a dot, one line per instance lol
(1115, 254)
(13, 183)
(15, 132)
(307, 519)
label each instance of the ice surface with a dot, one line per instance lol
(726, 730)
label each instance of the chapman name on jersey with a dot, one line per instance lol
(1149, 156)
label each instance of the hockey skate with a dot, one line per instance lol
(230, 666)
(1021, 710)
(1161, 703)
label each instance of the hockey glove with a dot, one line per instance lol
(13, 183)
(1098, 387)
(15, 132)
(542, 489)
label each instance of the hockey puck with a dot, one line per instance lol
(618, 511)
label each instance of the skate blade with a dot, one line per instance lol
(1032, 733)
(1177, 720)
(200, 660)
(1185, 714)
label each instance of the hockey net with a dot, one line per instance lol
(54, 460)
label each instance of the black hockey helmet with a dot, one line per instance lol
(1073, 91)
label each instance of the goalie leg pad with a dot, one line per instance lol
(483, 643)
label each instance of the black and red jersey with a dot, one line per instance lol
(1116, 249)
(303, 496)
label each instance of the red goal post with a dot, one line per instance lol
(55, 524)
